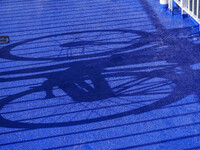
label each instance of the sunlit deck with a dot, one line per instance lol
(98, 75)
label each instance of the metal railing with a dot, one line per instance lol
(191, 7)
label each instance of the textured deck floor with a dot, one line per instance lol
(95, 75)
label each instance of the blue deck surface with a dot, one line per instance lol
(98, 75)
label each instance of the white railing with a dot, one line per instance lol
(191, 7)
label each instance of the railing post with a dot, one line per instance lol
(193, 13)
(164, 3)
(170, 5)
(183, 3)
(189, 5)
(198, 13)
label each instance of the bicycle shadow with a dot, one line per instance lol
(88, 83)
(73, 82)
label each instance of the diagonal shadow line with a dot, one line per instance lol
(144, 121)
(135, 82)
(140, 94)
(82, 29)
(144, 88)
(110, 127)
(6, 53)
(136, 68)
(162, 141)
(153, 17)
(135, 111)
(150, 89)
(173, 97)
(137, 17)
(63, 26)
(39, 99)
(131, 135)
(193, 148)
(78, 111)
(42, 107)
(70, 13)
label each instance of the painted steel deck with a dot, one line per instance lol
(93, 75)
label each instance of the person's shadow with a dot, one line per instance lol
(81, 83)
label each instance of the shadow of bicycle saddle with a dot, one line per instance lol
(4, 39)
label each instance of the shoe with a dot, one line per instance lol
(4, 39)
